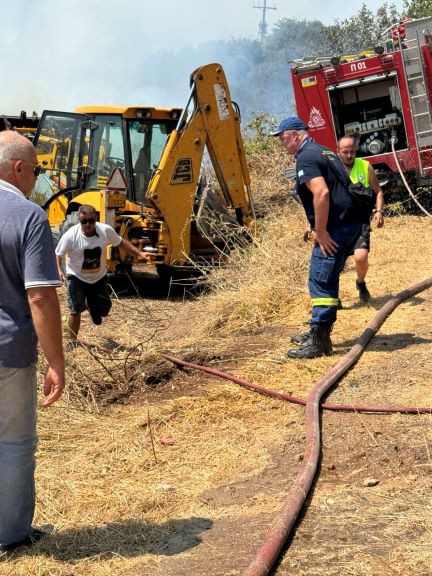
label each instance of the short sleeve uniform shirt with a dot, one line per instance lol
(313, 161)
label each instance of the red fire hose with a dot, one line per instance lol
(267, 555)
(295, 399)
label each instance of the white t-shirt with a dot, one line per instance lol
(86, 254)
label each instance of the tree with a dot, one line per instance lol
(386, 16)
(289, 39)
(363, 31)
(417, 8)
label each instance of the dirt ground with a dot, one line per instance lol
(346, 527)
(179, 473)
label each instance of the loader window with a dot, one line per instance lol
(147, 140)
(108, 150)
(57, 147)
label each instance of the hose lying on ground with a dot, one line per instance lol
(267, 555)
(295, 399)
(404, 180)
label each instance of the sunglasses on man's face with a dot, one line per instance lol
(88, 221)
(37, 168)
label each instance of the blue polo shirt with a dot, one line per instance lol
(27, 260)
(313, 160)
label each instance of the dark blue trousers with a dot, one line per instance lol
(324, 274)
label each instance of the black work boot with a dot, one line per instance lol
(319, 344)
(364, 293)
(301, 338)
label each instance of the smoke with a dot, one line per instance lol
(58, 55)
(255, 84)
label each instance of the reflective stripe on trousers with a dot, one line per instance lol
(325, 301)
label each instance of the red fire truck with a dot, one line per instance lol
(382, 98)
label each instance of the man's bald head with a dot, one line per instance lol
(346, 149)
(17, 161)
(346, 141)
(12, 146)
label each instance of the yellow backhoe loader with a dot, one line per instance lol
(24, 124)
(144, 170)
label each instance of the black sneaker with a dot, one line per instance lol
(96, 319)
(300, 338)
(39, 533)
(35, 535)
(364, 293)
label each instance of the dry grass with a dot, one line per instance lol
(259, 284)
(139, 462)
(111, 496)
(267, 167)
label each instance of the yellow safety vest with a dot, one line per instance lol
(360, 172)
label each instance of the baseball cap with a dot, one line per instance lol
(290, 123)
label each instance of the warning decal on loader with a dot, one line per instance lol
(221, 102)
(117, 180)
(182, 172)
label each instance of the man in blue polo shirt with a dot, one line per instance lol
(320, 178)
(29, 311)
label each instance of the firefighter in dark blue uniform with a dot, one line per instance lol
(320, 178)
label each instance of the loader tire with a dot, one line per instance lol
(186, 276)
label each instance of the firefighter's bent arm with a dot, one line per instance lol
(321, 202)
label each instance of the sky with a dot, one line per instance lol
(59, 54)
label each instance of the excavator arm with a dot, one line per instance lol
(213, 124)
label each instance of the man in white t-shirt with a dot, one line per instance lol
(85, 244)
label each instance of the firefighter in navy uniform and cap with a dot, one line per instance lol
(319, 179)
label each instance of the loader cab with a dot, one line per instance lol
(78, 151)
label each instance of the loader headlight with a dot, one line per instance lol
(144, 113)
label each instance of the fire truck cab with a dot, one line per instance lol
(382, 98)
